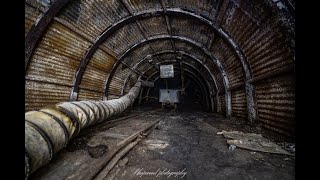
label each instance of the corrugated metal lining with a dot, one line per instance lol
(57, 56)
(31, 15)
(89, 95)
(137, 55)
(161, 45)
(276, 104)
(229, 60)
(165, 57)
(154, 26)
(149, 72)
(93, 79)
(222, 103)
(267, 54)
(216, 73)
(190, 28)
(38, 4)
(239, 103)
(117, 80)
(95, 75)
(193, 50)
(140, 5)
(124, 38)
(201, 6)
(131, 82)
(94, 16)
(240, 24)
(264, 45)
(39, 95)
(143, 67)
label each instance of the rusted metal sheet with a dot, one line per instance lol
(204, 7)
(222, 102)
(161, 45)
(36, 4)
(239, 104)
(276, 104)
(223, 52)
(93, 79)
(144, 67)
(92, 17)
(117, 82)
(38, 28)
(56, 56)
(190, 28)
(217, 75)
(124, 38)
(140, 5)
(31, 15)
(154, 26)
(41, 94)
(97, 70)
(183, 46)
(133, 57)
(89, 95)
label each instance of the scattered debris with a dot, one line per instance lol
(232, 147)
(123, 162)
(253, 142)
(153, 144)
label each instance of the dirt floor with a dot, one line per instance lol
(186, 146)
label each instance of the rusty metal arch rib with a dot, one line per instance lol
(144, 14)
(184, 39)
(42, 23)
(169, 11)
(167, 52)
(39, 27)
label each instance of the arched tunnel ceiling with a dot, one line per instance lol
(97, 49)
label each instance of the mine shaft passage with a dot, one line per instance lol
(145, 89)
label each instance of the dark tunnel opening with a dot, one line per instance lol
(191, 97)
(192, 88)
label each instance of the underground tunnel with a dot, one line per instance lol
(160, 89)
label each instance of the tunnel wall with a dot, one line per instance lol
(263, 31)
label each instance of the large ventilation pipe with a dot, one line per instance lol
(48, 130)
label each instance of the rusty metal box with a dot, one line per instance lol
(166, 71)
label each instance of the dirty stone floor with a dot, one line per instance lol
(186, 146)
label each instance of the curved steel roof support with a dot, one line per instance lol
(211, 93)
(170, 11)
(165, 52)
(173, 52)
(38, 28)
(183, 39)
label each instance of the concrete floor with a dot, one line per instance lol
(187, 144)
